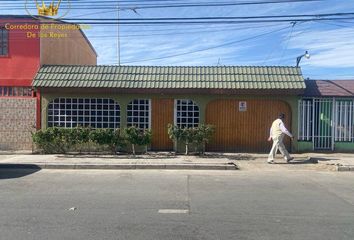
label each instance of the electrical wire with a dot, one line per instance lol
(209, 48)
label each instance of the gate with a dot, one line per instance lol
(323, 121)
(316, 122)
(244, 128)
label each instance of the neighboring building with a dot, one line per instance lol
(326, 116)
(241, 102)
(21, 55)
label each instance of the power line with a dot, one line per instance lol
(99, 5)
(319, 15)
(209, 48)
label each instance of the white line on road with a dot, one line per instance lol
(173, 211)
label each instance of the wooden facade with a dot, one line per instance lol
(244, 131)
(162, 115)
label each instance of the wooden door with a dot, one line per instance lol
(162, 115)
(244, 131)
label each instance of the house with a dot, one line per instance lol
(26, 44)
(326, 119)
(241, 102)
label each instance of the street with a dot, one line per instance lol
(162, 204)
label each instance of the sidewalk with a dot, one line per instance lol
(158, 160)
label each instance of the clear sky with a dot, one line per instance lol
(330, 43)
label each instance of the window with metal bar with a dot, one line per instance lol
(4, 42)
(138, 113)
(6, 91)
(344, 121)
(186, 113)
(86, 112)
(305, 120)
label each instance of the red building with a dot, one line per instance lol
(25, 45)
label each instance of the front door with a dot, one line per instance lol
(162, 115)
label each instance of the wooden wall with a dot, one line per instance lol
(247, 131)
(162, 115)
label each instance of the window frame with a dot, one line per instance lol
(84, 105)
(2, 31)
(343, 120)
(176, 117)
(305, 119)
(16, 92)
(149, 113)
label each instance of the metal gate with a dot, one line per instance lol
(323, 121)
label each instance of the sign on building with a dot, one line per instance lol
(242, 106)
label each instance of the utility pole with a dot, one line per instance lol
(118, 35)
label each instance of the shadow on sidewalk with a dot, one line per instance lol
(300, 161)
(14, 171)
(229, 157)
(120, 156)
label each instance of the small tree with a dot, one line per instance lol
(188, 137)
(184, 135)
(203, 135)
(136, 136)
(175, 133)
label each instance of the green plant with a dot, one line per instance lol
(109, 137)
(174, 132)
(136, 136)
(178, 134)
(61, 140)
(203, 135)
(53, 140)
(198, 135)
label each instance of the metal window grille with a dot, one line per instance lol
(4, 42)
(305, 120)
(323, 122)
(138, 113)
(15, 92)
(186, 113)
(343, 121)
(86, 112)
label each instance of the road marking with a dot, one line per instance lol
(173, 211)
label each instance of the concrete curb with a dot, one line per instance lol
(123, 166)
(345, 168)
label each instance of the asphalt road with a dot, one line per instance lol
(86, 204)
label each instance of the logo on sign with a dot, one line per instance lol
(48, 8)
(242, 106)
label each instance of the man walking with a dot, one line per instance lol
(277, 133)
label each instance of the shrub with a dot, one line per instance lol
(52, 140)
(199, 135)
(61, 140)
(109, 137)
(203, 135)
(136, 136)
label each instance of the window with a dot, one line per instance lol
(343, 121)
(186, 113)
(4, 42)
(305, 119)
(138, 113)
(15, 92)
(86, 112)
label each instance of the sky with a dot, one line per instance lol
(330, 43)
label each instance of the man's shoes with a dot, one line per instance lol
(270, 161)
(288, 160)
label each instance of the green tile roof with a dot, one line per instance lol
(151, 77)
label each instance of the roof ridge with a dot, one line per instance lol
(180, 66)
